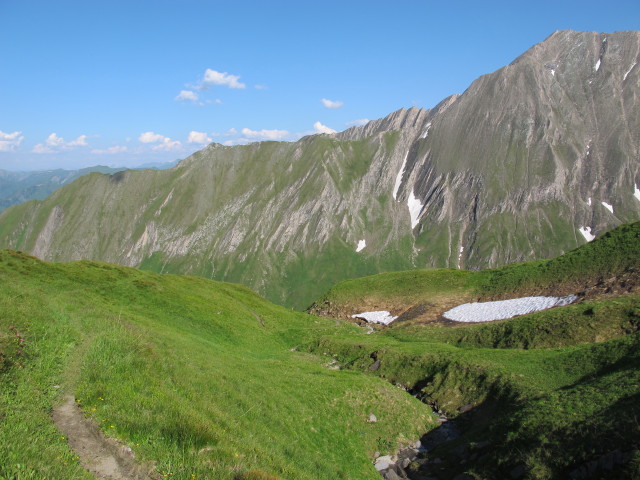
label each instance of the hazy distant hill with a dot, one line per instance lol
(18, 187)
(529, 162)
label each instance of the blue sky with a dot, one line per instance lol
(132, 82)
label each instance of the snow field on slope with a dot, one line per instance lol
(381, 316)
(503, 309)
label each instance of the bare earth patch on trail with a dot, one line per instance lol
(100, 455)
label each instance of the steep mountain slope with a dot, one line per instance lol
(529, 162)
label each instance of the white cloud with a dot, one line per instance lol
(150, 137)
(81, 141)
(167, 145)
(54, 140)
(320, 128)
(187, 95)
(198, 137)
(164, 143)
(331, 103)
(260, 87)
(40, 148)
(265, 134)
(54, 143)
(358, 123)
(10, 141)
(212, 77)
(111, 150)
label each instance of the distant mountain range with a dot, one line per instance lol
(529, 162)
(19, 187)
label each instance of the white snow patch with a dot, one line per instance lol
(636, 192)
(500, 310)
(380, 316)
(426, 132)
(415, 207)
(597, 67)
(586, 233)
(607, 206)
(553, 72)
(624, 77)
(361, 244)
(399, 177)
(460, 255)
(589, 201)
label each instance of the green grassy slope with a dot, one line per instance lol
(614, 254)
(195, 375)
(555, 392)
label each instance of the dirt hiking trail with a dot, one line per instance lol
(98, 454)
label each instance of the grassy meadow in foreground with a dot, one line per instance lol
(194, 375)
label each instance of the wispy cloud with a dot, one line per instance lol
(320, 128)
(163, 143)
(213, 77)
(331, 103)
(10, 141)
(55, 143)
(168, 145)
(198, 137)
(150, 137)
(187, 95)
(81, 141)
(209, 79)
(110, 150)
(265, 134)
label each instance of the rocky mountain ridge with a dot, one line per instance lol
(529, 162)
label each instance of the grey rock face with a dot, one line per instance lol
(531, 153)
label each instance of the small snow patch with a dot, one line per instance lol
(426, 132)
(399, 177)
(589, 201)
(361, 245)
(597, 67)
(624, 77)
(607, 206)
(636, 192)
(382, 316)
(460, 255)
(415, 207)
(586, 233)
(501, 310)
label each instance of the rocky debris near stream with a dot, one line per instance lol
(393, 467)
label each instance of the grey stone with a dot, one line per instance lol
(392, 475)
(384, 462)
